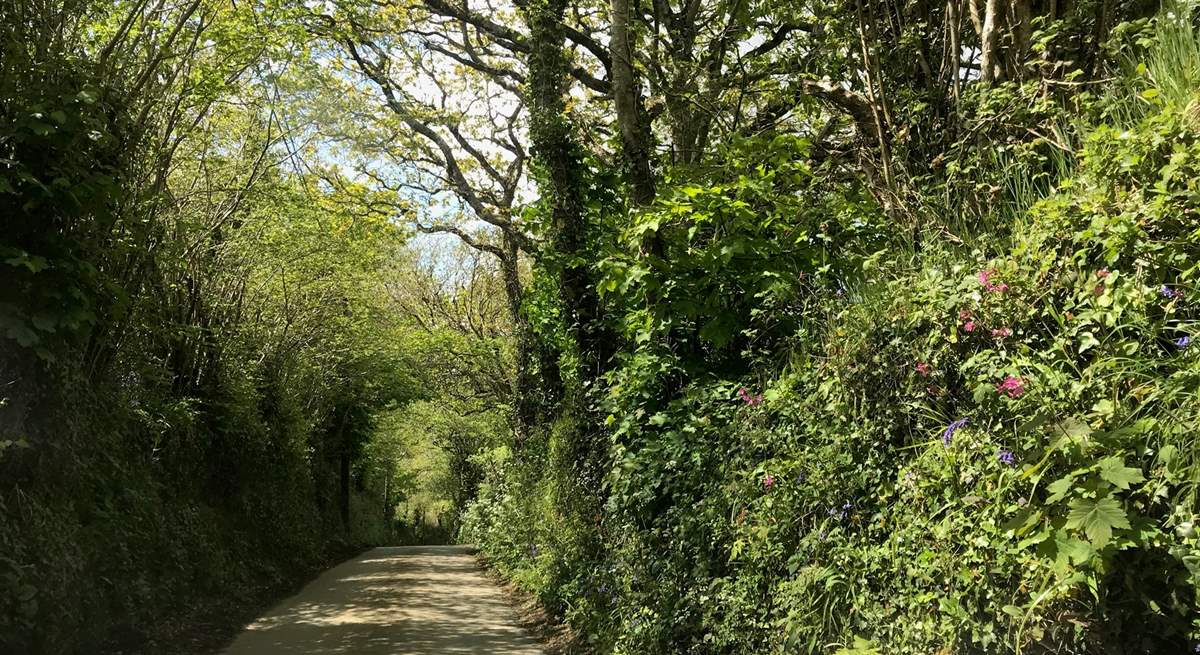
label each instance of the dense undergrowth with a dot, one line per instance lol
(825, 437)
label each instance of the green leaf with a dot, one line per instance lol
(982, 392)
(1097, 518)
(1070, 549)
(1060, 488)
(1114, 471)
(1087, 340)
(1013, 611)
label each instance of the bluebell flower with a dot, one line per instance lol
(1006, 457)
(948, 434)
(1183, 342)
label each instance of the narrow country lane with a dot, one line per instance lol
(426, 600)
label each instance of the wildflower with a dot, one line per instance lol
(948, 433)
(985, 278)
(1168, 292)
(965, 314)
(1182, 342)
(923, 369)
(1012, 386)
(1102, 273)
(1002, 332)
(748, 398)
(1099, 290)
(768, 481)
(1006, 457)
(969, 326)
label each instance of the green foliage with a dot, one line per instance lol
(193, 339)
(783, 472)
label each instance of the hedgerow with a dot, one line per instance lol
(822, 440)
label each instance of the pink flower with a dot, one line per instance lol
(1002, 332)
(768, 481)
(1012, 386)
(969, 326)
(1102, 273)
(965, 314)
(923, 369)
(751, 400)
(985, 278)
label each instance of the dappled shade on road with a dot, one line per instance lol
(394, 601)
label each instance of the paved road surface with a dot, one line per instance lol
(421, 600)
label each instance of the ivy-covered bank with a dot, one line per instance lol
(823, 438)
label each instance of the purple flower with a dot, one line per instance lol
(1182, 342)
(768, 481)
(948, 434)
(1167, 292)
(1006, 457)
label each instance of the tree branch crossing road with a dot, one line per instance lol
(424, 600)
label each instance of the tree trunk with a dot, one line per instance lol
(991, 67)
(555, 146)
(525, 384)
(344, 487)
(631, 116)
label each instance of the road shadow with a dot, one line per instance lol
(417, 600)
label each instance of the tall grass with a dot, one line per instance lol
(1165, 72)
(1173, 62)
